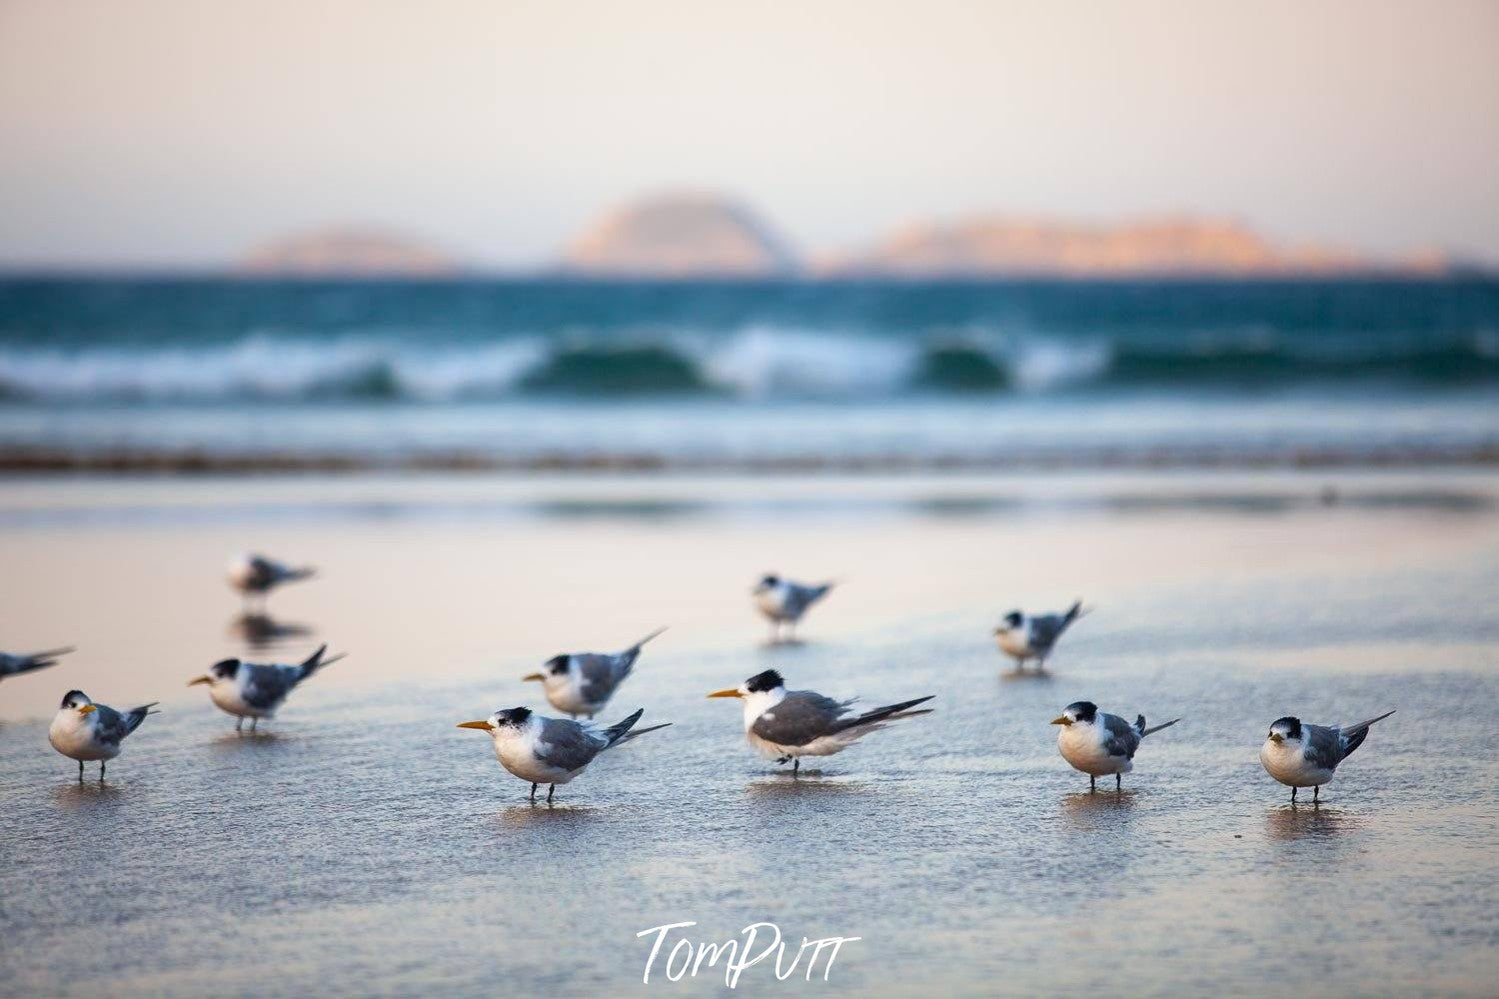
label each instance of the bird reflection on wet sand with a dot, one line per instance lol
(260, 631)
(540, 813)
(1289, 823)
(90, 794)
(1087, 810)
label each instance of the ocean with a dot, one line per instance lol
(207, 373)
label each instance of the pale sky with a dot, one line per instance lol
(157, 133)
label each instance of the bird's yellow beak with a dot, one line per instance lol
(731, 692)
(1061, 720)
(1276, 737)
(482, 726)
(87, 709)
(534, 676)
(202, 679)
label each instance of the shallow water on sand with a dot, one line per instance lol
(360, 843)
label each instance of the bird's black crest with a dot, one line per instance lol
(557, 664)
(769, 680)
(1085, 711)
(224, 668)
(67, 699)
(1291, 724)
(1013, 619)
(515, 716)
(770, 579)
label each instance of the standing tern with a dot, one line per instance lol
(255, 575)
(256, 690)
(783, 602)
(83, 730)
(1099, 744)
(786, 725)
(1023, 637)
(1300, 754)
(581, 683)
(551, 751)
(12, 663)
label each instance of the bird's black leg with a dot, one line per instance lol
(101, 771)
(1315, 789)
(80, 771)
(551, 790)
(796, 765)
(254, 724)
(1293, 795)
(534, 785)
(1118, 782)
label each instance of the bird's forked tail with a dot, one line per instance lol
(135, 716)
(1140, 725)
(1354, 735)
(315, 662)
(620, 732)
(647, 638)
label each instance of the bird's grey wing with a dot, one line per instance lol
(566, 744)
(262, 571)
(1046, 629)
(600, 674)
(1120, 739)
(267, 685)
(801, 717)
(111, 726)
(1324, 746)
(799, 597)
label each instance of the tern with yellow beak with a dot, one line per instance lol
(551, 751)
(581, 683)
(256, 690)
(1099, 744)
(1299, 754)
(83, 730)
(785, 725)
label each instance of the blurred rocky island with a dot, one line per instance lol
(348, 251)
(681, 236)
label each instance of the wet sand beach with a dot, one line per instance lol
(361, 844)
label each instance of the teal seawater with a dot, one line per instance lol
(740, 371)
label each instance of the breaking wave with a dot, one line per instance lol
(752, 363)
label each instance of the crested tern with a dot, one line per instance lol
(786, 725)
(552, 751)
(1022, 636)
(783, 602)
(13, 663)
(256, 690)
(83, 730)
(1099, 744)
(1299, 754)
(256, 576)
(581, 683)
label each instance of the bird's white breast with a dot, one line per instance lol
(1082, 746)
(1287, 763)
(565, 693)
(227, 697)
(1015, 642)
(772, 602)
(72, 735)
